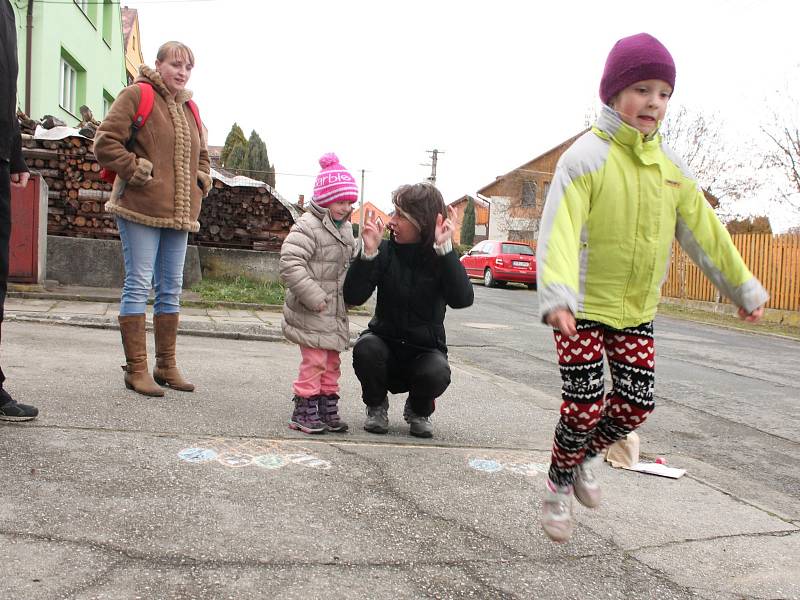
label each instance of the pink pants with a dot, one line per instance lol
(319, 372)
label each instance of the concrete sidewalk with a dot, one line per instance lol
(99, 308)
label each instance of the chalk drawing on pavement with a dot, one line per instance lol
(265, 454)
(485, 464)
(235, 459)
(270, 461)
(510, 462)
(197, 455)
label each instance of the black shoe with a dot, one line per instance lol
(14, 411)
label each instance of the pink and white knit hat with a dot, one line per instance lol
(334, 183)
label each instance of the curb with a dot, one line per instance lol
(28, 295)
(252, 332)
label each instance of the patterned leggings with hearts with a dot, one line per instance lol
(592, 420)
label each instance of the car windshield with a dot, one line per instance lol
(516, 249)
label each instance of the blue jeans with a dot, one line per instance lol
(154, 257)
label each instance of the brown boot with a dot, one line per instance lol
(137, 376)
(166, 370)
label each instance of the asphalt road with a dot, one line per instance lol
(209, 495)
(727, 401)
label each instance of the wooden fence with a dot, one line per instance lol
(774, 260)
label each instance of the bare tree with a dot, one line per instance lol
(721, 170)
(783, 142)
(513, 222)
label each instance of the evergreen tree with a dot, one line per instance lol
(256, 159)
(468, 224)
(236, 159)
(235, 138)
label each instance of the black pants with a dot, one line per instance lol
(383, 366)
(5, 236)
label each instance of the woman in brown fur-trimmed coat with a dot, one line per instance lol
(161, 181)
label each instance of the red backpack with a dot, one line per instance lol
(140, 118)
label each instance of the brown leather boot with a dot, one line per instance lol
(166, 370)
(137, 375)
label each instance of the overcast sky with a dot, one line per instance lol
(492, 83)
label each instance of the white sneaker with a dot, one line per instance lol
(557, 512)
(587, 490)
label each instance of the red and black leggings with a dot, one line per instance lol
(590, 422)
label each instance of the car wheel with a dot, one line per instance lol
(488, 278)
(532, 286)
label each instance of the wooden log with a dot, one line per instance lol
(96, 195)
(41, 153)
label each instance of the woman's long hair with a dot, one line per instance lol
(422, 202)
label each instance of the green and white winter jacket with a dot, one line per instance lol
(616, 202)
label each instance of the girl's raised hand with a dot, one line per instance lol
(445, 227)
(371, 234)
(563, 320)
(753, 316)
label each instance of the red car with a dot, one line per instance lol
(500, 262)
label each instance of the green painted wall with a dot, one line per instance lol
(92, 42)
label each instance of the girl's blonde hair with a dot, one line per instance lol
(168, 49)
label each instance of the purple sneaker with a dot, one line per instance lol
(329, 412)
(305, 417)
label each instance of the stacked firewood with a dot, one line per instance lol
(233, 217)
(76, 194)
(242, 217)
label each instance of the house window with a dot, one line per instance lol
(528, 193)
(108, 15)
(107, 101)
(546, 189)
(68, 87)
(88, 8)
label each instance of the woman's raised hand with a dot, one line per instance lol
(445, 227)
(371, 234)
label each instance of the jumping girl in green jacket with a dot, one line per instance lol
(619, 198)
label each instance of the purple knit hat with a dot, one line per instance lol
(633, 59)
(334, 183)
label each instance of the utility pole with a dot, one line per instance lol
(434, 159)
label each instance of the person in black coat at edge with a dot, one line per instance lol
(13, 171)
(418, 275)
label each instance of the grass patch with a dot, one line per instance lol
(240, 289)
(693, 314)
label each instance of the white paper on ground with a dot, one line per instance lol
(657, 469)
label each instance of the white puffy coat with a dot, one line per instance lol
(313, 264)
